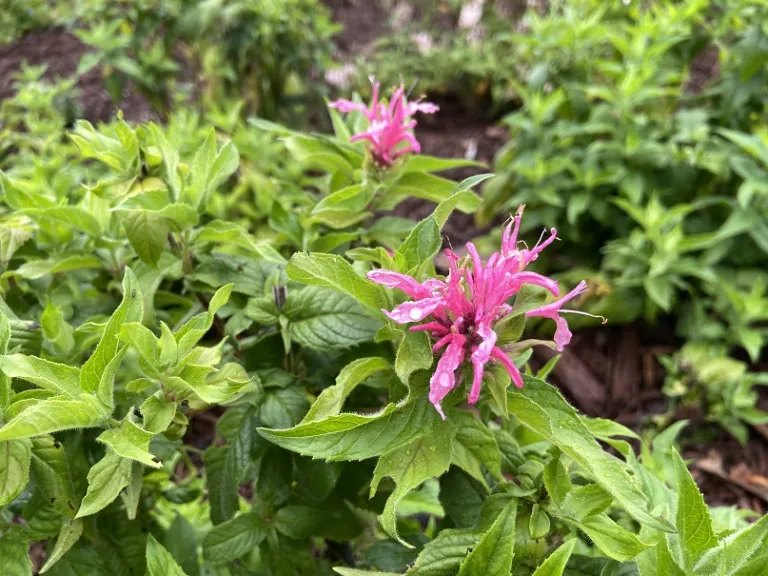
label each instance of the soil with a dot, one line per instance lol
(60, 52)
(607, 371)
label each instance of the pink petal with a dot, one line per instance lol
(444, 378)
(346, 106)
(403, 282)
(423, 107)
(481, 354)
(414, 311)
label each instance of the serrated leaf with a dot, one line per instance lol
(665, 564)
(15, 456)
(322, 319)
(443, 555)
(357, 437)
(332, 271)
(132, 493)
(130, 310)
(221, 480)
(53, 415)
(331, 400)
(130, 441)
(190, 334)
(409, 466)
(147, 232)
(694, 524)
(106, 479)
(555, 563)
(233, 539)
(474, 446)
(542, 408)
(413, 354)
(159, 560)
(59, 378)
(70, 533)
(494, 553)
(142, 339)
(51, 471)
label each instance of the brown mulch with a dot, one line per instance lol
(363, 21)
(60, 51)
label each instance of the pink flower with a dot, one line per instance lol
(462, 310)
(390, 127)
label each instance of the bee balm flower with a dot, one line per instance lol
(462, 310)
(390, 126)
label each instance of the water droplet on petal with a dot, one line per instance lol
(415, 313)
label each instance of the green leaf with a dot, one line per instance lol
(130, 441)
(52, 415)
(147, 232)
(615, 542)
(409, 466)
(233, 539)
(14, 552)
(142, 339)
(170, 160)
(555, 563)
(542, 408)
(474, 447)
(15, 456)
(355, 436)
(694, 524)
(331, 400)
(665, 564)
(413, 354)
(418, 185)
(132, 494)
(130, 310)
(660, 290)
(538, 524)
(464, 199)
(332, 271)
(322, 319)
(39, 268)
(443, 555)
(158, 413)
(229, 233)
(57, 331)
(738, 554)
(356, 572)
(159, 560)
(106, 479)
(493, 554)
(221, 480)
(344, 207)
(52, 472)
(70, 533)
(210, 170)
(190, 334)
(315, 152)
(49, 375)
(426, 163)
(297, 522)
(419, 247)
(69, 215)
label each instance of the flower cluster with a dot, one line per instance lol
(463, 310)
(390, 126)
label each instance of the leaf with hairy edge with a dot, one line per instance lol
(555, 563)
(542, 408)
(474, 446)
(159, 560)
(132, 493)
(494, 553)
(332, 271)
(739, 553)
(443, 556)
(15, 456)
(158, 413)
(53, 415)
(130, 310)
(409, 466)
(614, 540)
(106, 479)
(49, 375)
(233, 539)
(70, 533)
(130, 441)
(322, 319)
(666, 565)
(355, 436)
(694, 524)
(331, 400)
(413, 354)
